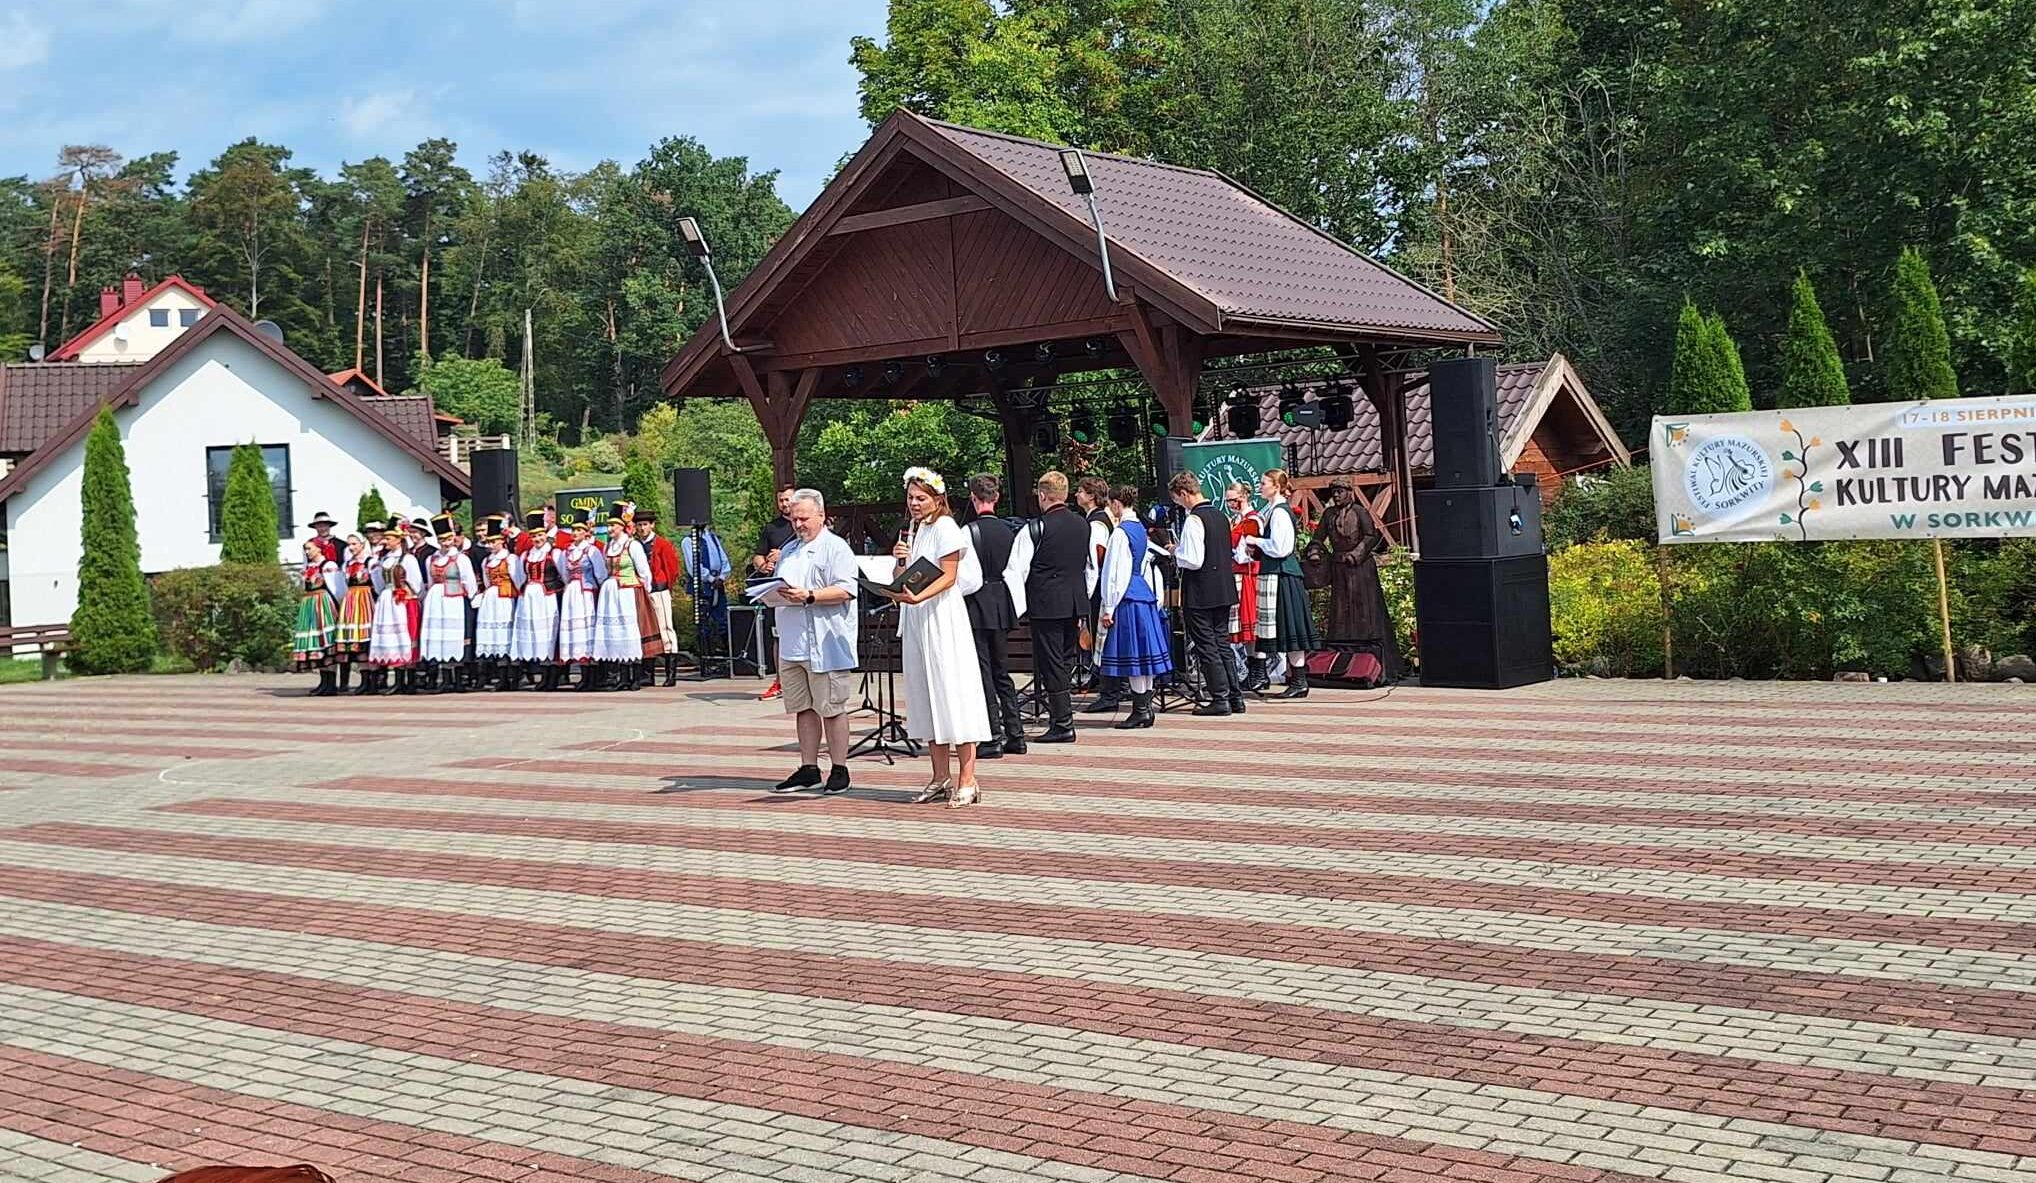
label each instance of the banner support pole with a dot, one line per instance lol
(1667, 624)
(1944, 611)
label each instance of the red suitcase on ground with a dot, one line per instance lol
(1357, 669)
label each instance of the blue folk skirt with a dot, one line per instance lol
(1137, 642)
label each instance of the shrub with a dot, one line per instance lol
(1605, 605)
(1917, 352)
(371, 508)
(1802, 610)
(111, 630)
(1396, 578)
(641, 487)
(1812, 375)
(1613, 504)
(1705, 376)
(211, 615)
(247, 520)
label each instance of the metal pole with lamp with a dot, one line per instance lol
(1076, 166)
(696, 242)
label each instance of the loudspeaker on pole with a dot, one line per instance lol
(692, 497)
(494, 477)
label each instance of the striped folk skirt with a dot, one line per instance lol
(534, 634)
(576, 623)
(394, 642)
(1285, 622)
(317, 628)
(444, 634)
(493, 623)
(356, 621)
(1244, 613)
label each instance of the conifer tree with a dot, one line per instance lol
(1918, 349)
(247, 527)
(1812, 375)
(1686, 381)
(371, 508)
(112, 629)
(1733, 393)
(640, 485)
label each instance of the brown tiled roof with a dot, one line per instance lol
(411, 413)
(1241, 252)
(1357, 447)
(38, 399)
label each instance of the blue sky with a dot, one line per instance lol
(340, 80)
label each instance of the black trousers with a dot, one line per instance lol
(1000, 694)
(767, 620)
(1053, 659)
(1208, 632)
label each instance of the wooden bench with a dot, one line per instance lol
(50, 640)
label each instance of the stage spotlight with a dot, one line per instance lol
(1082, 425)
(1046, 436)
(1243, 415)
(993, 359)
(1043, 351)
(933, 364)
(1337, 407)
(1123, 426)
(852, 377)
(892, 372)
(1095, 346)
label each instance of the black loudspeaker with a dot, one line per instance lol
(692, 497)
(494, 475)
(1483, 623)
(1493, 522)
(1168, 459)
(1463, 416)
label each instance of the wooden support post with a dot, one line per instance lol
(1388, 398)
(1170, 359)
(1019, 421)
(1944, 611)
(780, 403)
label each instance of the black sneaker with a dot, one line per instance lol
(837, 780)
(806, 777)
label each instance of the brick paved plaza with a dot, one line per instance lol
(1596, 930)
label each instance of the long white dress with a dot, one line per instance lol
(497, 613)
(443, 636)
(943, 685)
(534, 634)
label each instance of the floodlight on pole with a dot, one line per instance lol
(696, 242)
(1076, 166)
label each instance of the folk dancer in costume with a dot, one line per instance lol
(495, 619)
(625, 628)
(1092, 497)
(1208, 594)
(711, 593)
(664, 573)
(321, 533)
(584, 568)
(944, 704)
(1244, 523)
(317, 629)
(1046, 574)
(398, 612)
(1286, 623)
(449, 588)
(533, 638)
(357, 610)
(993, 612)
(1135, 644)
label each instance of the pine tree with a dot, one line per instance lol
(1918, 349)
(1733, 392)
(1812, 375)
(1686, 376)
(640, 485)
(247, 524)
(371, 508)
(112, 629)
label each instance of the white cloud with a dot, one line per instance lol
(364, 118)
(215, 22)
(22, 44)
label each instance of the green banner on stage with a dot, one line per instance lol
(1219, 462)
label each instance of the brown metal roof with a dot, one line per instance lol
(38, 399)
(1524, 390)
(1244, 254)
(411, 413)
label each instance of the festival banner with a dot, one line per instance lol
(1949, 468)
(571, 505)
(1218, 462)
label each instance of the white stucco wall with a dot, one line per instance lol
(140, 341)
(224, 392)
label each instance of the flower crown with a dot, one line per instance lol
(927, 477)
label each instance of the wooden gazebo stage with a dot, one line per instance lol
(946, 263)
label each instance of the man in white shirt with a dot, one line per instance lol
(1207, 593)
(816, 629)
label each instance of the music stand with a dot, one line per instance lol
(883, 657)
(702, 651)
(1183, 688)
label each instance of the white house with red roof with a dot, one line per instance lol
(137, 322)
(184, 395)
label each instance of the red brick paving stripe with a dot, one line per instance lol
(68, 767)
(1841, 996)
(1859, 1102)
(1664, 857)
(97, 745)
(135, 1115)
(1434, 892)
(74, 725)
(1604, 815)
(1067, 1125)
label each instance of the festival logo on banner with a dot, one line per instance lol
(1218, 463)
(1954, 468)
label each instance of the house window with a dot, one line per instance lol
(277, 457)
(186, 317)
(159, 318)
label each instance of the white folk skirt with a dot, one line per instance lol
(617, 636)
(943, 684)
(576, 623)
(492, 624)
(444, 635)
(393, 640)
(534, 634)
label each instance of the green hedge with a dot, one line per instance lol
(212, 615)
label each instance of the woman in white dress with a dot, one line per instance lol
(449, 586)
(582, 569)
(533, 637)
(497, 615)
(618, 618)
(397, 580)
(944, 704)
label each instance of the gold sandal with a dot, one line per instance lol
(935, 789)
(965, 795)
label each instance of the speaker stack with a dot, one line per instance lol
(1481, 583)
